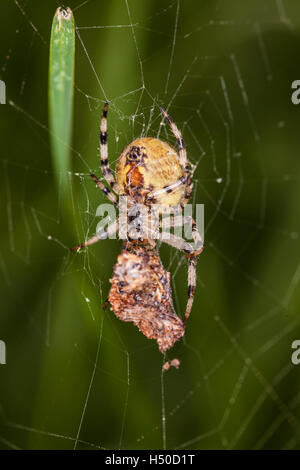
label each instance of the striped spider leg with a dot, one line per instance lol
(111, 230)
(186, 179)
(105, 168)
(109, 177)
(108, 193)
(183, 245)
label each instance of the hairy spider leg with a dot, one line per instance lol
(192, 253)
(111, 230)
(183, 159)
(192, 276)
(186, 178)
(105, 168)
(108, 193)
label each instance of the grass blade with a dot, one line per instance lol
(61, 91)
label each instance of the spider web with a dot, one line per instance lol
(76, 377)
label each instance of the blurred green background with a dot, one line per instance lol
(76, 377)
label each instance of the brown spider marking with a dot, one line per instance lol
(135, 159)
(134, 178)
(136, 155)
(141, 294)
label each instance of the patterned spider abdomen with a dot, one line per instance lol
(141, 294)
(148, 165)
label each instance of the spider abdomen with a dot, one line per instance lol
(148, 165)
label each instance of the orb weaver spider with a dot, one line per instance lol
(149, 172)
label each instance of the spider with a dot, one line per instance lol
(149, 172)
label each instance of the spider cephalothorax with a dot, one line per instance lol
(149, 171)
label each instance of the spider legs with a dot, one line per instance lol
(105, 168)
(192, 252)
(111, 230)
(180, 142)
(111, 196)
(192, 276)
(187, 180)
(187, 192)
(179, 221)
(171, 188)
